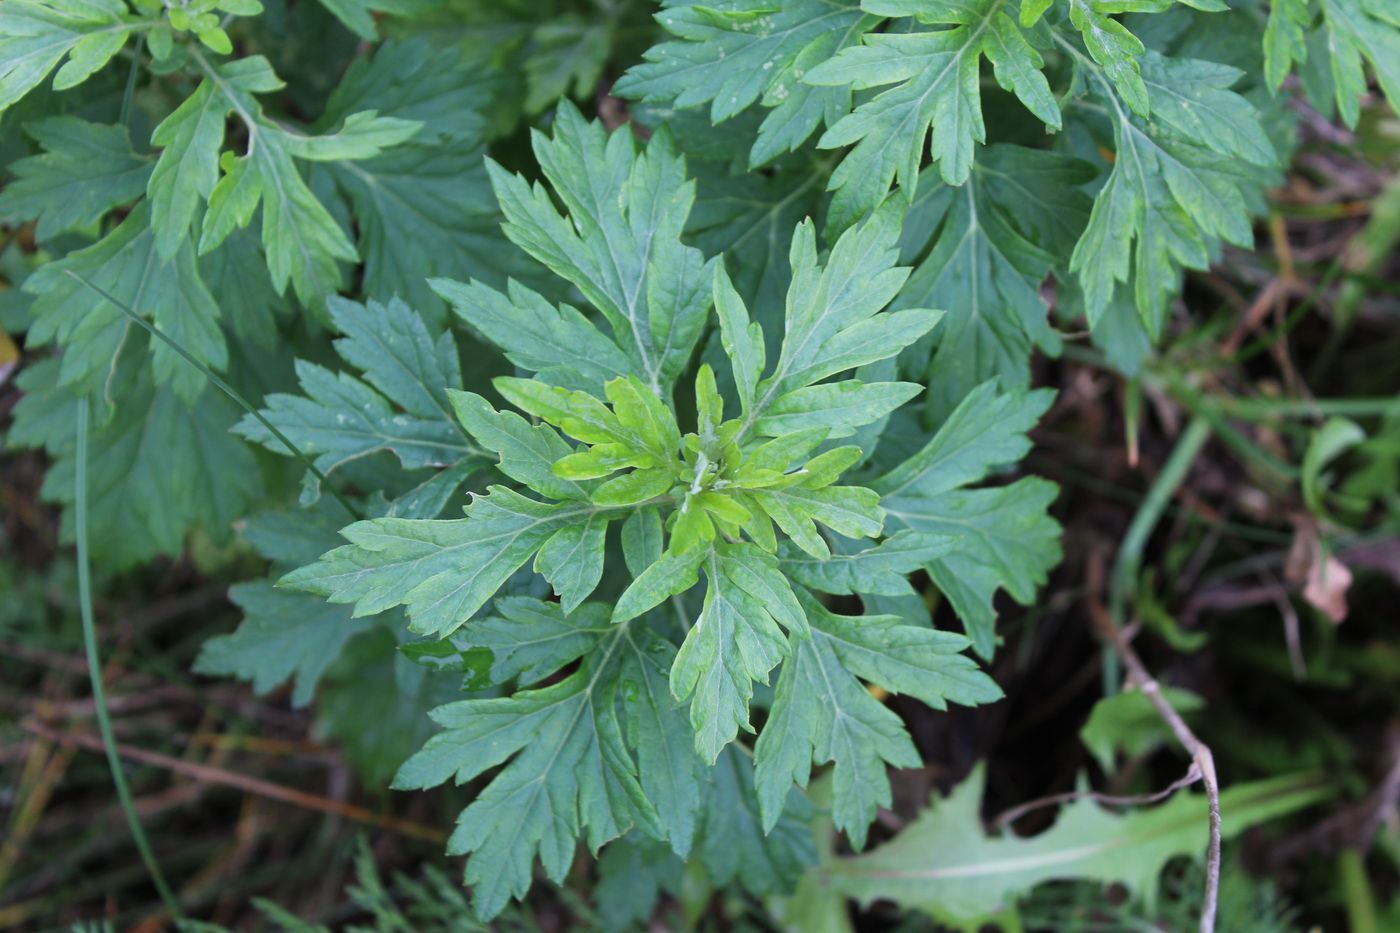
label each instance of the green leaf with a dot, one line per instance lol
(1190, 97)
(237, 273)
(374, 704)
(822, 712)
(1171, 197)
(1285, 38)
(568, 56)
(409, 361)
(752, 51)
(191, 137)
(301, 239)
(632, 872)
(838, 407)
(734, 848)
(669, 769)
(737, 639)
(1009, 542)
(340, 419)
(567, 773)
(813, 906)
(571, 559)
(424, 207)
(1357, 31)
(158, 467)
(935, 78)
(853, 511)
(1129, 721)
(990, 245)
(401, 404)
(1113, 48)
(127, 265)
(527, 451)
(1351, 34)
(742, 340)
(833, 321)
(283, 634)
(1006, 537)
(85, 171)
(293, 537)
(35, 35)
(945, 865)
(1334, 438)
(986, 431)
(527, 639)
(881, 569)
(358, 15)
(557, 343)
(669, 574)
(750, 219)
(620, 241)
(443, 571)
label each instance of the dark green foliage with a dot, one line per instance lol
(664, 429)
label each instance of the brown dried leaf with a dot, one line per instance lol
(1324, 577)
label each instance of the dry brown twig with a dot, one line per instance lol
(212, 775)
(1202, 760)
(1192, 775)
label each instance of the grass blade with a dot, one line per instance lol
(99, 693)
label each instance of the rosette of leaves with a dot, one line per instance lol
(730, 505)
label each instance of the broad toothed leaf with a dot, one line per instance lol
(833, 323)
(522, 638)
(822, 712)
(401, 404)
(1179, 186)
(985, 253)
(946, 865)
(35, 35)
(442, 571)
(936, 82)
(302, 241)
(1351, 34)
(737, 639)
(527, 451)
(734, 845)
(1006, 538)
(158, 466)
(568, 774)
(555, 341)
(126, 265)
(620, 242)
(880, 569)
(85, 171)
(424, 207)
(283, 634)
(738, 54)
